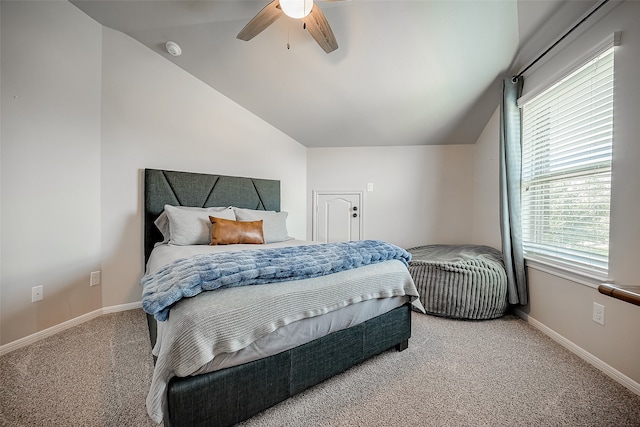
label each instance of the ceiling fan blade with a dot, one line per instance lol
(320, 30)
(267, 16)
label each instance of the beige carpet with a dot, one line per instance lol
(454, 373)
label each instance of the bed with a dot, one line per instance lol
(239, 377)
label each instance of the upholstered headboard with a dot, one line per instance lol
(162, 187)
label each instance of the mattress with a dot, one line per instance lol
(275, 335)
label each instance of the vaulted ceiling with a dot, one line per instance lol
(414, 72)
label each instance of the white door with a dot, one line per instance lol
(337, 216)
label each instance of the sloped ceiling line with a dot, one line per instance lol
(400, 63)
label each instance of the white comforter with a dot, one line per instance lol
(225, 321)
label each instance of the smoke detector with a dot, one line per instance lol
(173, 49)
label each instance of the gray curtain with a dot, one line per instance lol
(510, 177)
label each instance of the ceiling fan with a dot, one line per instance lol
(312, 17)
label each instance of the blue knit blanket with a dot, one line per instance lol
(188, 277)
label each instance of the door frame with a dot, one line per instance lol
(314, 209)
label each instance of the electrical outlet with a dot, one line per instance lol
(37, 293)
(95, 278)
(598, 313)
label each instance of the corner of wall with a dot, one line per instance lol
(486, 192)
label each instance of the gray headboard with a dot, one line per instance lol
(162, 187)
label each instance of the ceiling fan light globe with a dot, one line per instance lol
(296, 8)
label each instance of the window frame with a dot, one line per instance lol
(588, 275)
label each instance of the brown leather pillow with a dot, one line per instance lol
(229, 232)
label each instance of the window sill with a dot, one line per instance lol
(590, 280)
(630, 294)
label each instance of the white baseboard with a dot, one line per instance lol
(122, 307)
(607, 369)
(22, 342)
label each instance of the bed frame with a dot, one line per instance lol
(228, 396)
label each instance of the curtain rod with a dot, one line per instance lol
(543, 54)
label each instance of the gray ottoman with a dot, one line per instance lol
(460, 281)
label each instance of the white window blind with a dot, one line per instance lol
(566, 169)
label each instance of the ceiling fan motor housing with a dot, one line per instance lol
(297, 9)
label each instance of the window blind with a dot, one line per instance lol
(566, 169)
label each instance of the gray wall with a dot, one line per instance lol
(422, 194)
(156, 115)
(485, 228)
(84, 110)
(51, 71)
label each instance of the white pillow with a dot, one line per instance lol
(190, 225)
(162, 223)
(274, 224)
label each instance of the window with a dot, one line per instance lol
(566, 169)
